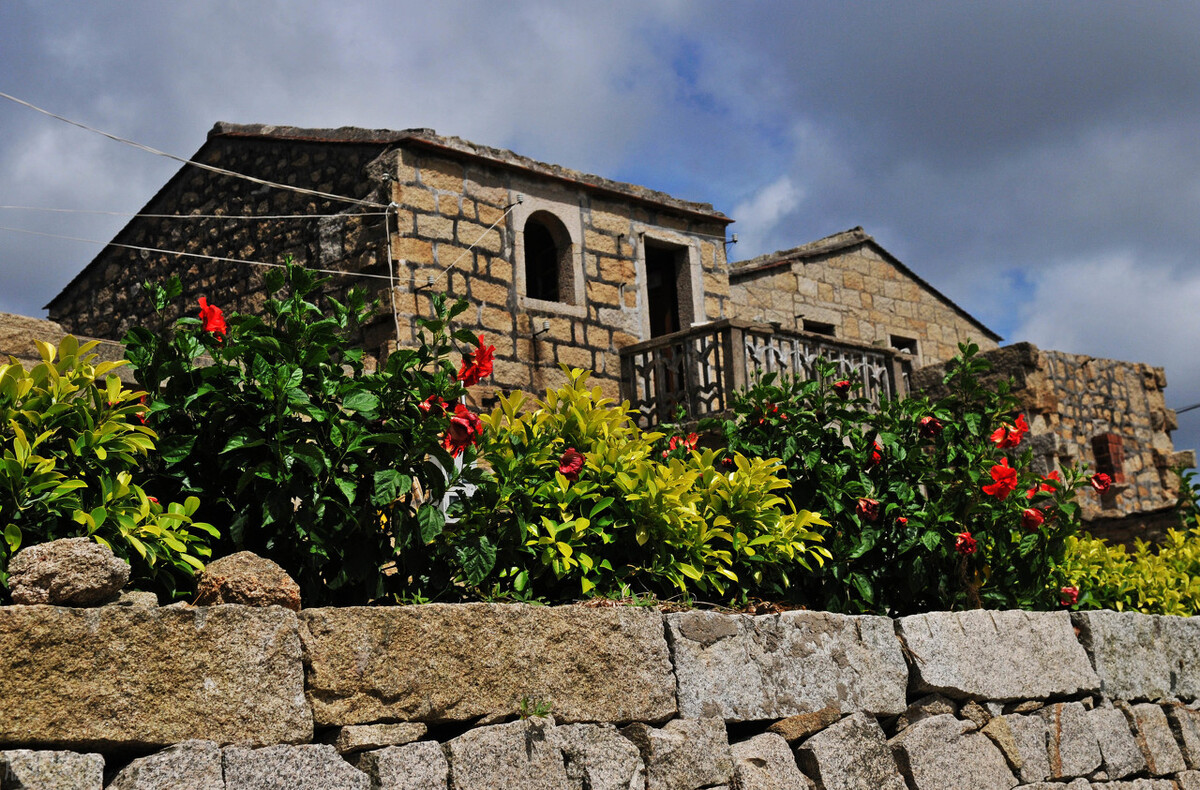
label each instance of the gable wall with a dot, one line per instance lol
(866, 297)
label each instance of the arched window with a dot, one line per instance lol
(549, 273)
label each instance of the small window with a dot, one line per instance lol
(907, 345)
(818, 327)
(1109, 451)
(549, 274)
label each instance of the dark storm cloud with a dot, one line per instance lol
(1036, 161)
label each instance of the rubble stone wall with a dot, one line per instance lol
(515, 696)
(866, 298)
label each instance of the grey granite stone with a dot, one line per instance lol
(685, 754)
(520, 755)
(413, 766)
(1122, 757)
(743, 668)
(1073, 749)
(996, 655)
(195, 765)
(600, 758)
(1029, 736)
(66, 572)
(1143, 657)
(50, 770)
(943, 753)
(1185, 723)
(1156, 740)
(765, 762)
(360, 737)
(929, 705)
(305, 767)
(851, 755)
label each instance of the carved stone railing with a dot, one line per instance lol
(700, 368)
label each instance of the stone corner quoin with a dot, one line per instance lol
(457, 662)
(743, 668)
(996, 655)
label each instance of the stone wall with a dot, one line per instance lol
(850, 283)
(1074, 403)
(433, 696)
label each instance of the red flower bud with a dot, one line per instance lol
(1069, 596)
(964, 543)
(929, 427)
(842, 388)
(867, 509)
(1032, 518)
(571, 464)
(1101, 482)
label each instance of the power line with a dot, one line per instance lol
(136, 215)
(191, 254)
(201, 165)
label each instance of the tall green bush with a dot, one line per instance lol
(575, 500)
(72, 437)
(333, 470)
(932, 504)
(1154, 579)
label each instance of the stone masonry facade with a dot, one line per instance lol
(852, 288)
(486, 696)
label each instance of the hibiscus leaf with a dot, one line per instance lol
(361, 401)
(931, 539)
(389, 485)
(432, 521)
(174, 448)
(347, 488)
(242, 439)
(973, 421)
(477, 561)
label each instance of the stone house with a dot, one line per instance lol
(562, 267)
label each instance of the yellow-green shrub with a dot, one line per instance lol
(1151, 579)
(632, 519)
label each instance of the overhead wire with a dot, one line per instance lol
(194, 163)
(139, 215)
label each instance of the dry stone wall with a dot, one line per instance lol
(613, 699)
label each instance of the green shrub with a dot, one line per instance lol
(1154, 579)
(905, 487)
(72, 437)
(574, 500)
(334, 471)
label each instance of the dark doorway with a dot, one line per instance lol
(664, 267)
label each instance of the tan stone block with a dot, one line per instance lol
(561, 329)
(852, 281)
(442, 174)
(575, 357)
(713, 308)
(470, 233)
(449, 204)
(522, 347)
(489, 215)
(602, 294)
(511, 375)
(597, 337)
(414, 196)
(825, 292)
(631, 295)
(610, 222)
(485, 189)
(495, 294)
(548, 376)
(600, 242)
(609, 387)
(496, 321)
(867, 302)
(432, 226)
(673, 222)
(406, 248)
(617, 270)
(623, 339)
(591, 266)
(501, 270)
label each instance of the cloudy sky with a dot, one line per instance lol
(1038, 162)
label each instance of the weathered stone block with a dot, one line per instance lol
(1156, 741)
(996, 655)
(117, 677)
(1185, 723)
(1073, 749)
(306, 767)
(66, 572)
(942, 753)
(46, 770)
(413, 766)
(195, 765)
(1031, 756)
(750, 668)
(521, 755)
(600, 758)
(360, 737)
(442, 662)
(249, 579)
(1143, 657)
(802, 725)
(686, 754)
(1122, 757)
(851, 755)
(765, 762)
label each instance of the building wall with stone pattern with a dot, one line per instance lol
(486, 696)
(850, 283)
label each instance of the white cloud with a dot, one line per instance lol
(758, 216)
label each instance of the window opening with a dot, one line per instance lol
(818, 327)
(548, 273)
(1108, 449)
(906, 344)
(664, 268)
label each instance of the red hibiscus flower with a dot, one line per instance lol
(688, 443)
(901, 520)
(465, 429)
(842, 388)
(1004, 480)
(1049, 483)
(571, 464)
(867, 509)
(769, 411)
(1010, 435)
(434, 406)
(965, 544)
(477, 364)
(1032, 518)
(1069, 596)
(929, 427)
(212, 319)
(1101, 482)
(876, 455)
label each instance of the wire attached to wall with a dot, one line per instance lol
(507, 210)
(137, 215)
(201, 165)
